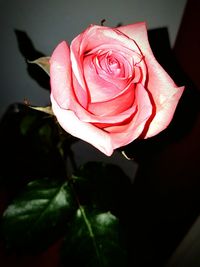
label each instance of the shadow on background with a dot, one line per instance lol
(166, 192)
(28, 51)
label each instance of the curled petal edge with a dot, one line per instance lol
(83, 130)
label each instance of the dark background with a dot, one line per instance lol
(166, 191)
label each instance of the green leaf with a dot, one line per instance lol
(26, 123)
(39, 215)
(94, 240)
(42, 62)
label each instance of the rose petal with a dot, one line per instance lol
(111, 119)
(99, 89)
(124, 134)
(60, 75)
(122, 102)
(165, 111)
(164, 92)
(80, 88)
(165, 95)
(95, 36)
(88, 117)
(85, 131)
(119, 50)
(85, 41)
(157, 75)
(138, 33)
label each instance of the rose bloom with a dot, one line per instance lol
(108, 89)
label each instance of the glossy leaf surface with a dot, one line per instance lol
(38, 216)
(93, 240)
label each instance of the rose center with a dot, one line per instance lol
(110, 64)
(114, 66)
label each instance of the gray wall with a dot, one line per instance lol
(48, 22)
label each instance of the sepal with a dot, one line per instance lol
(42, 62)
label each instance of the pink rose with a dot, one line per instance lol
(108, 89)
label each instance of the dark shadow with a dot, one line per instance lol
(28, 147)
(166, 192)
(29, 53)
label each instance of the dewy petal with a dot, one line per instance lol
(83, 130)
(164, 92)
(60, 75)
